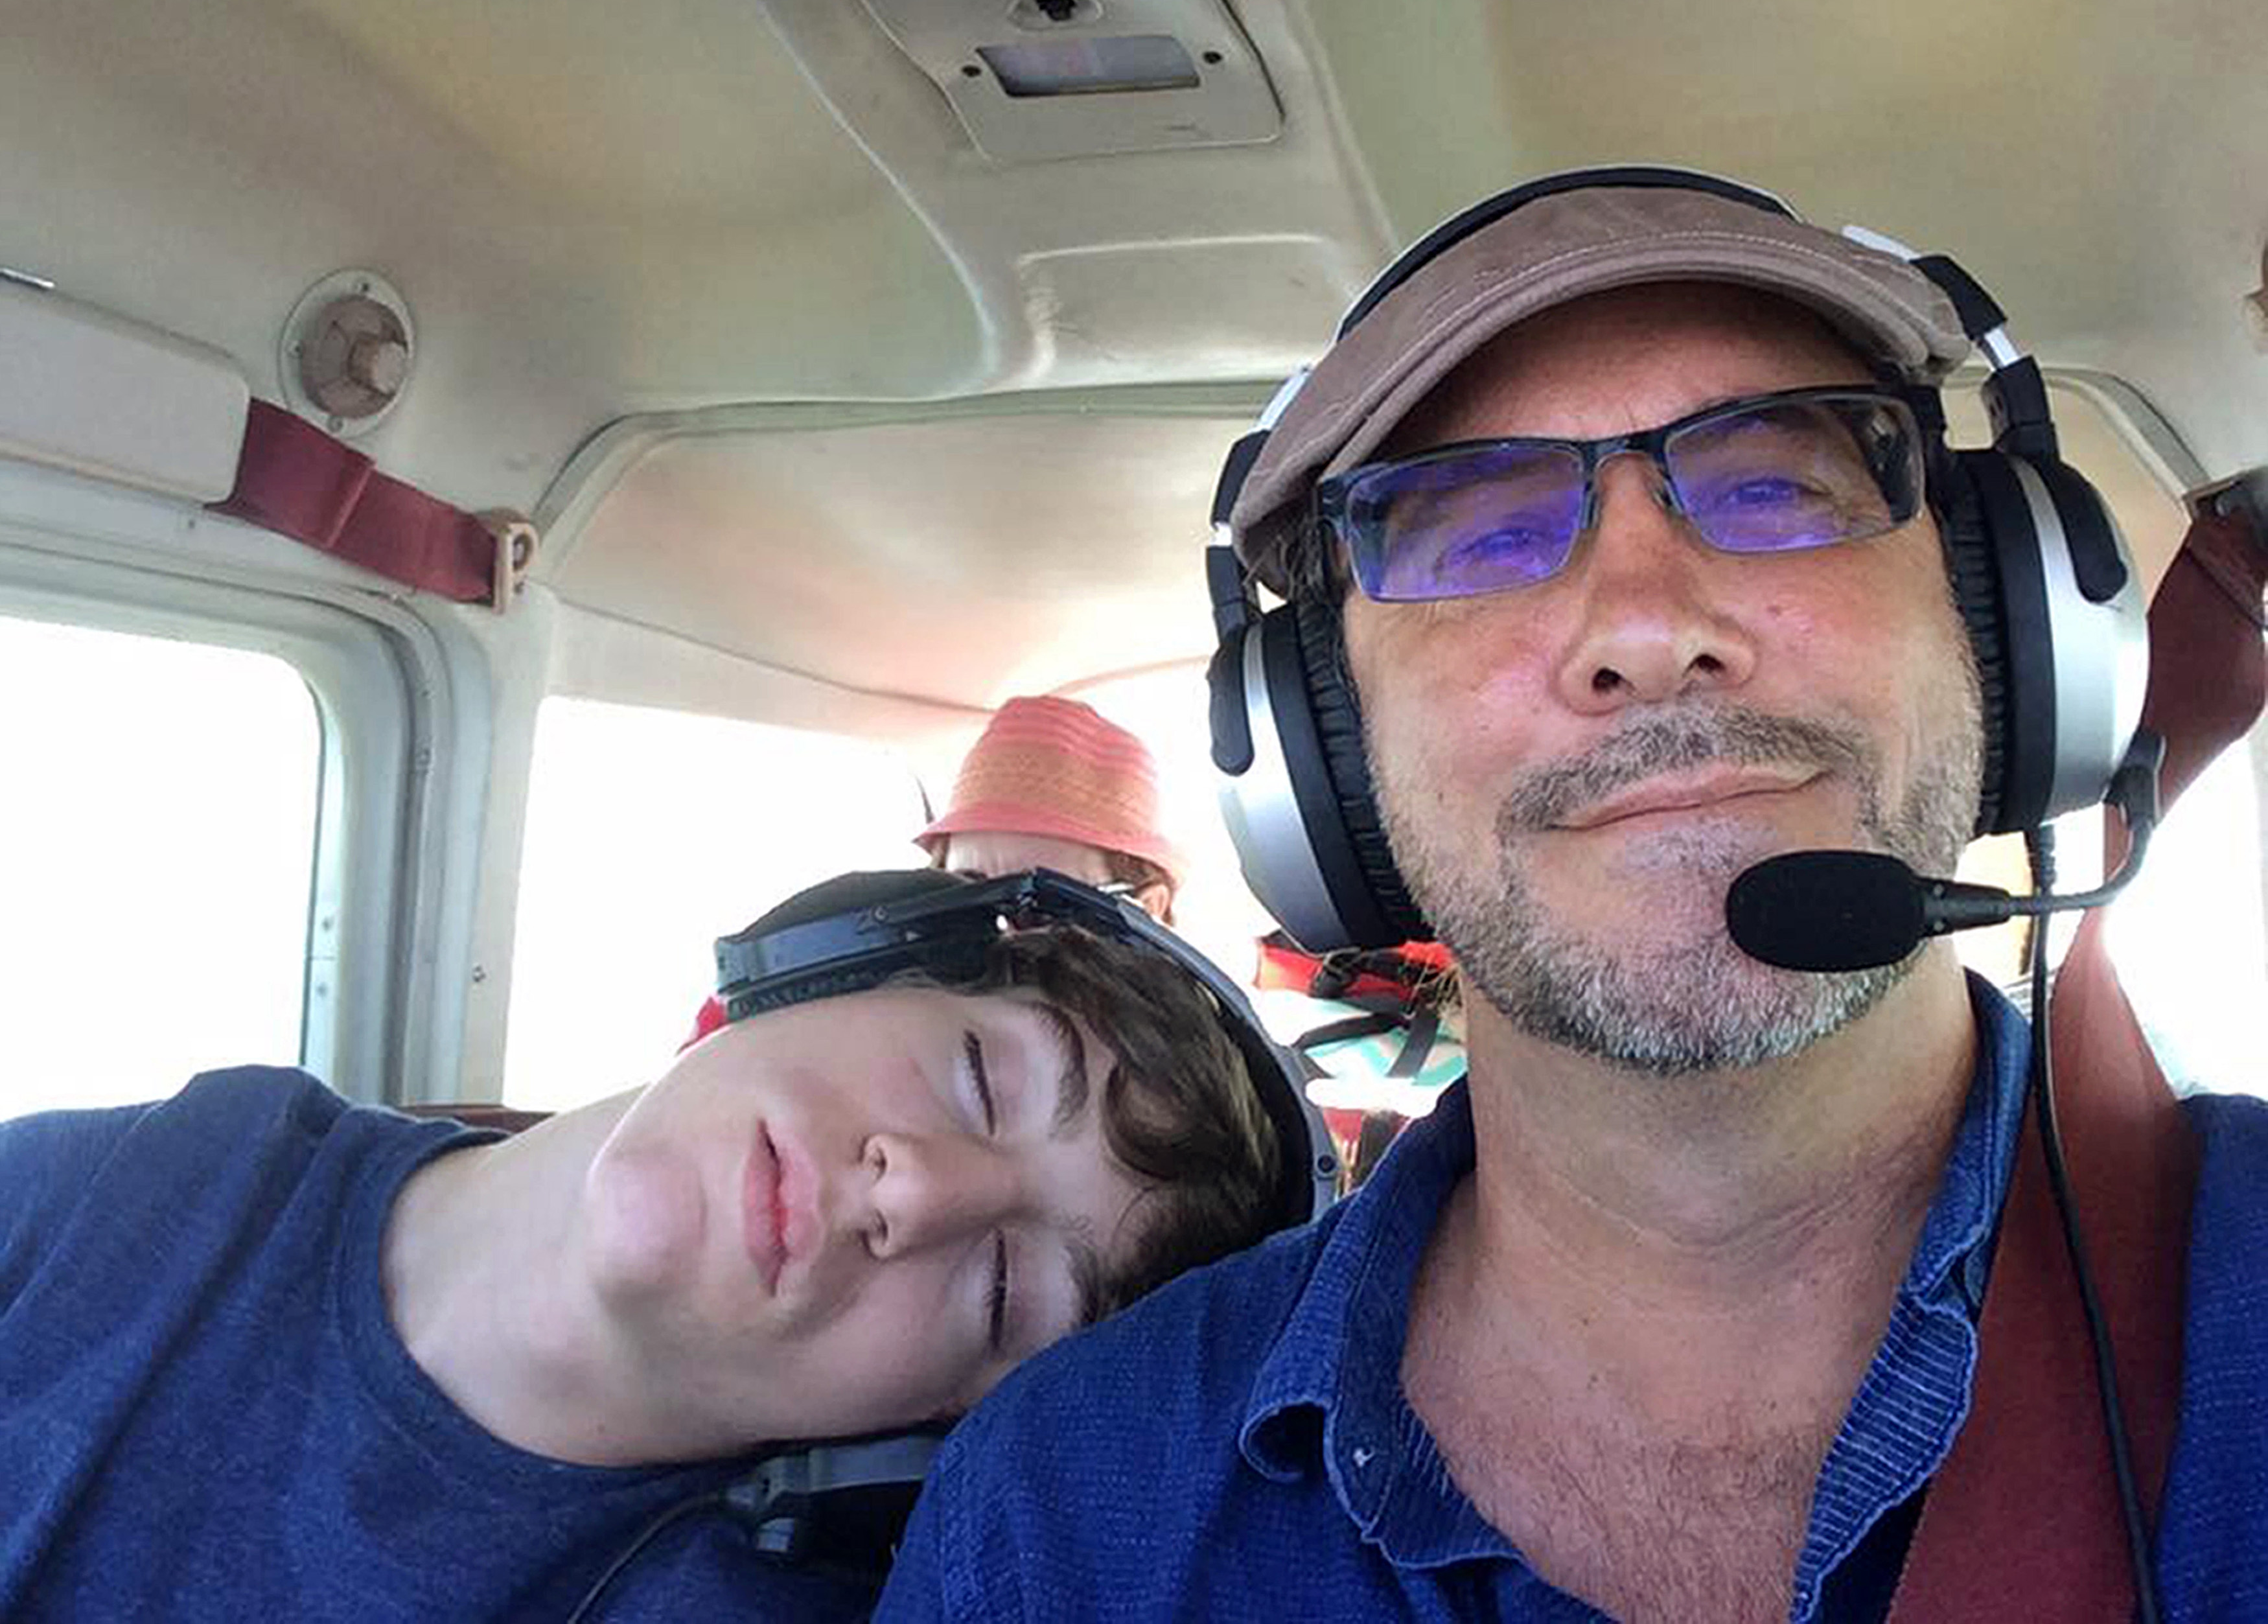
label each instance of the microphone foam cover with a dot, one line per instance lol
(1826, 911)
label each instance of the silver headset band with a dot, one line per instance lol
(2000, 350)
(2100, 655)
(1262, 815)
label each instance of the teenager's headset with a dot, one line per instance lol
(839, 1507)
(2040, 574)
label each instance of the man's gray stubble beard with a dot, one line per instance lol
(1679, 1007)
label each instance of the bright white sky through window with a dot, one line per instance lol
(157, 840)
(650, 834)
(2189, 937)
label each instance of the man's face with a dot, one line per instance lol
(808, 1224)
(1572, 773)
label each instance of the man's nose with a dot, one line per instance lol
(1648, 626)
(918, 1191)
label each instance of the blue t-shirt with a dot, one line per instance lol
(205, 1412)
(1240, 1444)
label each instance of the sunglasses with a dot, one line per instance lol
(1771, 473)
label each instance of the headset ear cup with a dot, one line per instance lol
(2004, 544)
(1972, 563)
(1337, 716)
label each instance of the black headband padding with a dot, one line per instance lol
(1976, 581)
(1309, 765)
(1346, 756)
(810, 987)
(2028, 755)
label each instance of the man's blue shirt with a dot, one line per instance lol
(1240, 1444)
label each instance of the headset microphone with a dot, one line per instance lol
(1830, 910)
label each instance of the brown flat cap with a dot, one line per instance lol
(1545, 253)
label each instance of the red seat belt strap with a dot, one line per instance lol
(294, 479)
(2022, 1521)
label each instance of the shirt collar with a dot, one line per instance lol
(1328, 1392)
(1952, 1252)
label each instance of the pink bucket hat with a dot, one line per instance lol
(1048, 766)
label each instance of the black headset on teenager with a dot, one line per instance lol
(2055, 615)
(840, 1506)
(2042, 577)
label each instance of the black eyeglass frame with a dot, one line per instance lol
(1335, 496)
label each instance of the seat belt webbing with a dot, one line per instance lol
(2022, 1521)
(295, 479)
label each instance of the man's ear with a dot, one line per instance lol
(1155, 899)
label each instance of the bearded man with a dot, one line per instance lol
(1620, 522)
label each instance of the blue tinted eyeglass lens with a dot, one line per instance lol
(1797, 474)
(1470, 521)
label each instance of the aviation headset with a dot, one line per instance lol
(839, 1505)
(2040, 574)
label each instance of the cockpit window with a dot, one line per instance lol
(157, 845)
(2190, 937)
(650, 834)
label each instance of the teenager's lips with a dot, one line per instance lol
(778, 1223)
(760, 1213)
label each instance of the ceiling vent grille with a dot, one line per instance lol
(1082, 78)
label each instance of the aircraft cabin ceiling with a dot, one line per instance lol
(716, 246)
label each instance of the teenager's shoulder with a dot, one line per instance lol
(58, 1151)
(238, 1093)
(237, 1100)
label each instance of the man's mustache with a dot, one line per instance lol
(1674, 740)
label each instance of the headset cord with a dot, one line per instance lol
(646, 1536)
(2040, 843)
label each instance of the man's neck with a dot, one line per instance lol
(482, 1281)
(1801, 1184)
(1664, 1291)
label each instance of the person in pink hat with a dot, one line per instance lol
(1052, 785)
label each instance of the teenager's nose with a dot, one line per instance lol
(931, 1190)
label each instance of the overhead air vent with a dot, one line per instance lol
(1081, 79)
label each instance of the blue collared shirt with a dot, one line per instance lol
(1339, 1357)
(1239, 1445)
(1328, 1466)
